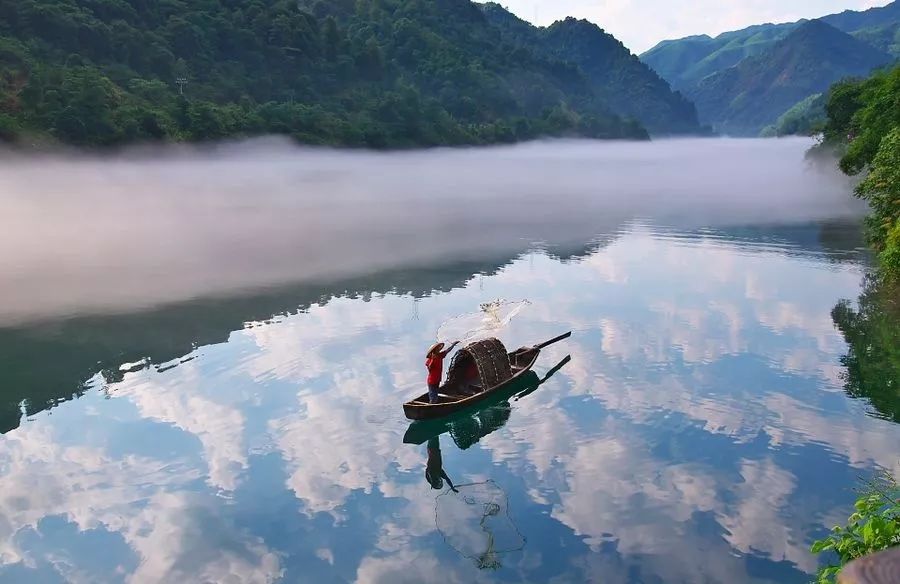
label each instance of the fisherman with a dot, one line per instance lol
(434, 362)
(434, 468)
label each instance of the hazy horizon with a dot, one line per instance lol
(91, 234)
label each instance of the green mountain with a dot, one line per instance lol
(877, 26)
(885, 37)
(804, 119)
(377, 73)
(684, 62)
(625, 83)
(743, 99)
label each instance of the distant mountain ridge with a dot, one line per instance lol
(743, 81)
(855, 21)
(683, 62)
(617, 76)
(745, 98)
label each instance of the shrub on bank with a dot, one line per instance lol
(873, 527)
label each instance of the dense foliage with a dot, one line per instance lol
(379, 73)
(864, 122)
(873, 527)
(629, 86)
(744, 99)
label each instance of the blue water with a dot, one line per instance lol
(700, 432)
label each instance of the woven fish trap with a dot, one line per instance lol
(491, 358)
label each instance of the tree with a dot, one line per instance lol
(881, 188)
(88, 100)
(205, 121)
(864, 120)
(9, 129)
(332, 39)
(371, 60)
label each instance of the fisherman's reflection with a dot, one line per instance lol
(434, 468)
(468, 429)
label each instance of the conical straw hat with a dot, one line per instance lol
(434, 347)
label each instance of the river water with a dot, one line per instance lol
(700, 432)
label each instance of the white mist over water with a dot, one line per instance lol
(84, 234)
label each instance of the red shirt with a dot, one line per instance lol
(435, 366)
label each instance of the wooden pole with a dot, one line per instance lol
(880, 568)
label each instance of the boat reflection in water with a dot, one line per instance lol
(469, 426)
(474, 518)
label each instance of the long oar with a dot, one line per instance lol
(554, 340)
(556, 369)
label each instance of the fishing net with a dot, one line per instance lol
(485, 323)
(476, 523)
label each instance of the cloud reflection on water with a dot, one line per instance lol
(673, 446)
(174, 532)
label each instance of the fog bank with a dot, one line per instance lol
(89, 234)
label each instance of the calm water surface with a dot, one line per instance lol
(700, 432)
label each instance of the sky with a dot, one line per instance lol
(640, 24)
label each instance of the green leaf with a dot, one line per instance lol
(868, 533)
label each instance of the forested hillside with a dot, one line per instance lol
(629, 86)
(377, 73)
(744, 99)
(686, 61)
(806, 118)
(864, 125)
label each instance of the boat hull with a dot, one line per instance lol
(420, 431)
(420, 409)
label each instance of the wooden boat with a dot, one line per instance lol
(497, 369)
(471, 424)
